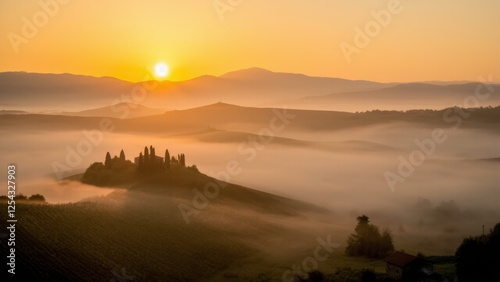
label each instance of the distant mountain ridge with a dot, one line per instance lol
(58, 91)
(249, 87)
(253, 87)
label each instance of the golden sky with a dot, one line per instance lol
(422, 40)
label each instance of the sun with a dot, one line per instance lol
(161, 70)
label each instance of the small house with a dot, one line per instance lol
(403, 266)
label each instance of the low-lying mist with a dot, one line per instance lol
(58, 192)
(449, 195)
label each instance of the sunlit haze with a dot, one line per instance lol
(250, 140)
(427, 40)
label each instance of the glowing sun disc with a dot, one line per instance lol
(161, 70)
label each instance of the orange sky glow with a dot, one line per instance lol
(387, 41)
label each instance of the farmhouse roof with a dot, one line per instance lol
(400, 259)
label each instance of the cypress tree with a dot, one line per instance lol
(167, 159)
(122, 155)
(140, 165)
(146, 158)
(107, 162)
(152, 158)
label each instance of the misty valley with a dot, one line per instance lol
(249, 141)
(223, 192)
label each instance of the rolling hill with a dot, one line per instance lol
(120, 110)
(222, 136)
(141, 233)
(234, 118)
(401, 97)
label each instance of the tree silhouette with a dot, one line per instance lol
(363, 220)
(122, 155)
(140, 164)
(107, 162)
(182, 160)
(37, 198)
(478, 258)
(146, 158)
(152, 159)
(367, 240)
(167, 159)
(95, 174)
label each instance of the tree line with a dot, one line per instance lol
(21, 197)
(117, 170)
(150, 163)
(478, 257)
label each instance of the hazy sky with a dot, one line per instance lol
(423, 39)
